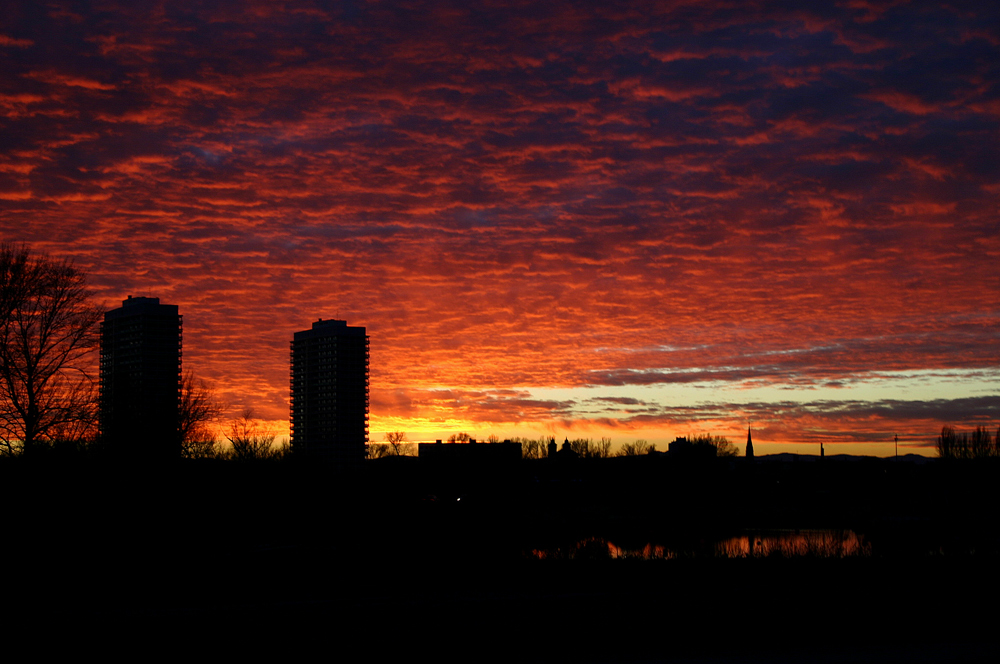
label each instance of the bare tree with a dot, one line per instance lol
(637, 448)
(251, 438)
(981, 443)
(82, 430)
(977, 445)
(529, 448)
(588, 448)
(396, 441)
(581, 446)
(534, 448)
(602, 450)
(47, 338)
(723, 448)
(947, 444)
(377, 450)
(459, 438)
(197, 411)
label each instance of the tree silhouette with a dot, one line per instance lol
(395, 440)
(47, 338)
(948, 444)
(723, 447)
(587, 448)
(531, 448)
(637, 448)
(581, 446)
(197, 410)
(377, 450)
(251, 439)
(979, 445)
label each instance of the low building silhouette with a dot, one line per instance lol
(471, 453)
(566, 451)
(682, 448)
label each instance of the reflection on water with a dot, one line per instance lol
(756, 544)
(817, 543)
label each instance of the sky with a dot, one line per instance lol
(553, 218)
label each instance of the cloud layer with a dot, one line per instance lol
(514, 195)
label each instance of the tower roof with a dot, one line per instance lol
(329, 328)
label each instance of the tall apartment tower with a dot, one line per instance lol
(329, 391)
(141, 378)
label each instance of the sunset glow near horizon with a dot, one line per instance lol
(552, 218)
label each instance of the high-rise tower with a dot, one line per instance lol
(329, 391)
(141, 377)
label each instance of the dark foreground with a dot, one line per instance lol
(224, 560)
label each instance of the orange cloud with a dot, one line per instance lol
(527, 196)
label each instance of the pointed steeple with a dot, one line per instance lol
(749, 444)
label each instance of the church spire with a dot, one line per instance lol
(749, 444)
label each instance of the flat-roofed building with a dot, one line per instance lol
(329, 391)
(140, 383)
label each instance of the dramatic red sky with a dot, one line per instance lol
(552, 217)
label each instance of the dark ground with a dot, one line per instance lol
(402, 560)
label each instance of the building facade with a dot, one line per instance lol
(329, 391)
(141, 377)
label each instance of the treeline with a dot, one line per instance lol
(722, 446)
(586, 448)
(978, 444)
(245, 438)
(395, 444)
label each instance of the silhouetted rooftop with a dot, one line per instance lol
(141, 305)
(327, 328)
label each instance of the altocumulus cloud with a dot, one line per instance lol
(513, 195)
